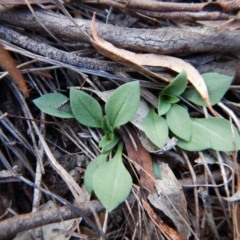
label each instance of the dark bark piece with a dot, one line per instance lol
(163, 40)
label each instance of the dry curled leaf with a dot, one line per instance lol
(137, 61)
(7, 62)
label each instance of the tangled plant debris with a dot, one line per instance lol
(128, 129)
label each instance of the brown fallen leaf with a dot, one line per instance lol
(137, 61)
(167, 231)
(7, 62)
(138, 154)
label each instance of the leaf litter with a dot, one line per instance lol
(163, 193)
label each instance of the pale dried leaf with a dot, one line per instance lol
(170, 187)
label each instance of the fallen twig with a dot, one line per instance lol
(164, 40)
(11, 226)
(173, 6)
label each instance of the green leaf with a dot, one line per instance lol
(123, 104)
(111, 143)
(177, 86)
(86, 109)
(112, 182)
(215, 133)
(163, 107)
(217, 85)
(104, 140)
(199, 139)
(169, 98)
(156, 170)
(156, 129)
(220, 133)
(49, 103)
(179, 122)
(106, 126)
(91, 168)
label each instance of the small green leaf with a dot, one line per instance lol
(86, 109)
(156, 170)
(179, 122)
(177, 86)
(217, 85)
(215, 133)
(163, 107)
(111, 143)
(104, 140)
(50, 102)
(123, 104)
(169, 98)
(91, 168)
(112, 182)
(106, 126)
(156, 129)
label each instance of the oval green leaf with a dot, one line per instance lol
(156, 129)
(86, 109)
(109, 143)
(91, 168)
(163, 107)
(49, 103)
(112, 182)
(177, 86)
(179, 122)
(217, 85)
(123, 104)
(215, 133)
(221, 136)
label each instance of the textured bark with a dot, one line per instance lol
(11, 226)
(168, 40)
(56, 54)
(186, 16)
(62, 56)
